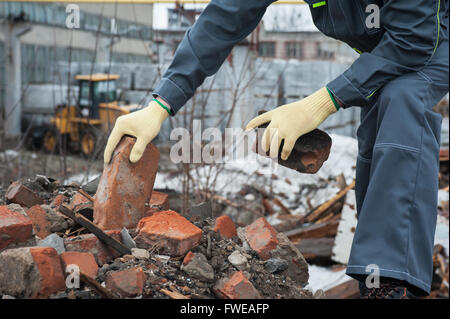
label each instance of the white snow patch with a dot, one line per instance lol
(324, 278)
(81, 178)
(302, 191)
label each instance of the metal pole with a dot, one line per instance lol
(12, 32)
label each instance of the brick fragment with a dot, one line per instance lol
(225, 227)
(57, 201)
(30, 272)
(14, 227)
(50, 271)
(46, 221)
(236, 286)
(85, 261)
(158, 202)
(309, 153)
(80, 202)
(262, 237)
(125, 188)
(89, 243)
(172, 233)
(20, 194)
(127, 283)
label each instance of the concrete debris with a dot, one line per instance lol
(140, 253)
(54, 241)
(275, 265)
(126, 239)
(238, 260)
(196, 265)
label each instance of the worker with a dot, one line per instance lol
(400, 74)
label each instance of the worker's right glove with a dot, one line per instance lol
(143, 124)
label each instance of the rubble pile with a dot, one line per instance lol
(54, 244)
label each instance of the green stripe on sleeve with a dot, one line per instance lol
(319, 4)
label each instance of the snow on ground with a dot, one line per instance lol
(324, 278)
(81, 178)
(9, 154)
(294, 188)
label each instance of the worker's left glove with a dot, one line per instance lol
(290, 121)
(143, 124)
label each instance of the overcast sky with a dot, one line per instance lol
(281, 17)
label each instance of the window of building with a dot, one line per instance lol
(266, 49)
(294, 50)
(323, 53)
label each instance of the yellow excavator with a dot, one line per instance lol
(85, 127)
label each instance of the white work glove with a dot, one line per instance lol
(144, 125)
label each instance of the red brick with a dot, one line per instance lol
(125, 188)
(237, 286)
(85, 261)
(262, 237)
(14, 227)
(57, 201)
(188, 258)
(89, 243)
(173, 233)
(127, 283)
(310, 151)
(20, 194)
(41, 224)
(225, 227)
(30, 272)
(158, 202)
(79, 202)
(49, 267)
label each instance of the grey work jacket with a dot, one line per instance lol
(408, 33)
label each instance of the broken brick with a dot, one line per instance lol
(30, 272)
(310, 151)
(236, 286)
(225, 227)
(57, 201)
(127, 283)
(125, 188)
(261, 237)
(14, 227)
(85, 261)
(91, 244)
(20, 194)
(158, 202)
(49, 266)
(46, 221)
(173, 234)
(80, 202)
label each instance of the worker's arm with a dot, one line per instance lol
(206, 45)
(412, 34)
